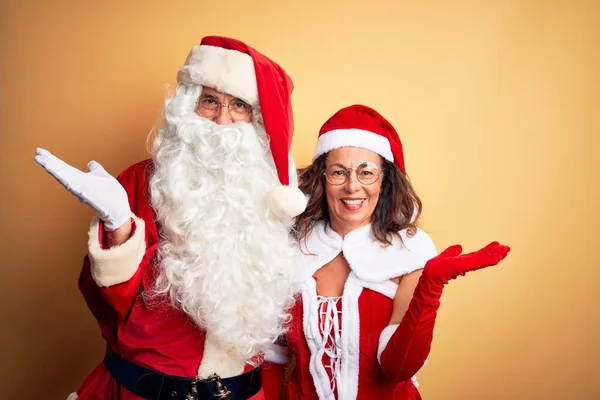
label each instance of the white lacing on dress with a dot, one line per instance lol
(330, 329)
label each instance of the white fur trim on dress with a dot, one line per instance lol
(117, 264)
(372, 267)
(220, 360)
(353, 138)
(367, 257)
(347, 386)
(387, 288)
(312, 333)
(278, 354)
(228, 71)
(350, 338)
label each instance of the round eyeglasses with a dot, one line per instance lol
(367, 173)
(238, 110)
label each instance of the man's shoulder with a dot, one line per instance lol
(135, 178)
(138, 172)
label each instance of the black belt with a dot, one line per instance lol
(154, 385)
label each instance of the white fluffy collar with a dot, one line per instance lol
(368, 258)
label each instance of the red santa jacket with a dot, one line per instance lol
(366, 308)
(115, 283)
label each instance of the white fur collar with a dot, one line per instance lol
(370, 261)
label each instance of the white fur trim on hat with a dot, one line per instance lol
(353, 138)
(287, 201)
(228, 71)
(117, 264)
(292, 172)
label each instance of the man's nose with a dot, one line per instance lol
(223, 117)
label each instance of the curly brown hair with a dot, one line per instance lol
(398, 206)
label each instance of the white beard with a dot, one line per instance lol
(224, 259)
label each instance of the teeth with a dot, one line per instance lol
(352, 202)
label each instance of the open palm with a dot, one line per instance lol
(97, 187)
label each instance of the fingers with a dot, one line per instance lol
(491, 246)
(451, 263)
(42, 156)
(490, 255)
(451, 251)
(50, 162)
(41, 151)
(97, 169)
(94, 165)
(497, 249)
(56, 167)
(503, 251)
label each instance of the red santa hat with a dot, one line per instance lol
(235, 68)
(361, 126)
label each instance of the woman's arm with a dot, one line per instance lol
(403, 348)
(404, 293)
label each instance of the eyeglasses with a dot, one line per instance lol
(238, 110)
(367, 173)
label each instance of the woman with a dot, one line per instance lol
(371, 280)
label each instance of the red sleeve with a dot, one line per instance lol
(110, 305)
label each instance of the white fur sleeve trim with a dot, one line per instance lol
(384, 339)
(117, 264)
(355, 138)
(72, 396)
(228, 71)
(278, 354)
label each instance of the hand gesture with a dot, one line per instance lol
(97, 187)
(451, 263)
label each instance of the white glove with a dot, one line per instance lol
(97, 188)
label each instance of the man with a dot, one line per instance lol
(190, 270)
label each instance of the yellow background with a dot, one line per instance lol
(498, 106)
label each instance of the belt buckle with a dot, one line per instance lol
(193, 394)
(221, 392)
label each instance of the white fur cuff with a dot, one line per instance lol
(72, 396)
(119, 263)
(384, 339)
